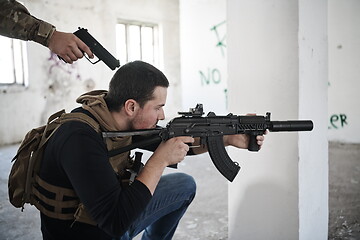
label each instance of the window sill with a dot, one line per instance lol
(12, 88)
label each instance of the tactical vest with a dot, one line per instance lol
(63, 198)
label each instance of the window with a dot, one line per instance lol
(13, 62)
(136, 41)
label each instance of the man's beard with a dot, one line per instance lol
(132, 127)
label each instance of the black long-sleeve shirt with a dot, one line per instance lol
(76, 157)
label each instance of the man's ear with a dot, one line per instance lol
(130, 107)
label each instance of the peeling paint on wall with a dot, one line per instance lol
(61, 76)
(61, 80)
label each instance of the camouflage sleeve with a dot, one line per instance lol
(17, 22)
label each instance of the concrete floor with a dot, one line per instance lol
(207, 217)
(344, 191)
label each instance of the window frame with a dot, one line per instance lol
(18, 56)
(155, 40)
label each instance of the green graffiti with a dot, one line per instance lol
(226, 97)
(220, 40)
(338, 121)
(212, 76)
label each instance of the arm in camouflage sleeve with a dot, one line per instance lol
(17, 22)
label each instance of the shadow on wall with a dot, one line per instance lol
(262, 199)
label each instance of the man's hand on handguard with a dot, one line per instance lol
(242, 140)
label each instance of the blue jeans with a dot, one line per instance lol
(171, 198)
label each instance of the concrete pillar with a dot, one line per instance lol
(344, 71)
(277, 62)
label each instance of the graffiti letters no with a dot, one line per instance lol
(213, 76)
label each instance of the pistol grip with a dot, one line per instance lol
(253, 146)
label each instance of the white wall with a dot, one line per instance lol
(277, 62)
(203, 63)
(54, 86)
(203, 54)
(344, 71)
(313, 101)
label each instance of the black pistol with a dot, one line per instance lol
(99, 51)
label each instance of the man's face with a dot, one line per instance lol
(152, 112)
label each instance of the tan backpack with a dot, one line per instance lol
(30, 153)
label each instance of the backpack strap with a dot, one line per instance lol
(54, 122)
(34, 164)
(29, 138)
(81, 117)
(58, 204)
(50, 127)
(61, 117)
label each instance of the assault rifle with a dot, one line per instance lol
(211, 130)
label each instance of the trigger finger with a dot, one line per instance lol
(87, 50)
(187, 147)
(186, 139)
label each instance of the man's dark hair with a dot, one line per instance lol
(135, 80)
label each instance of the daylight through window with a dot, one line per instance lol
(13, 62)
(136, 41)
